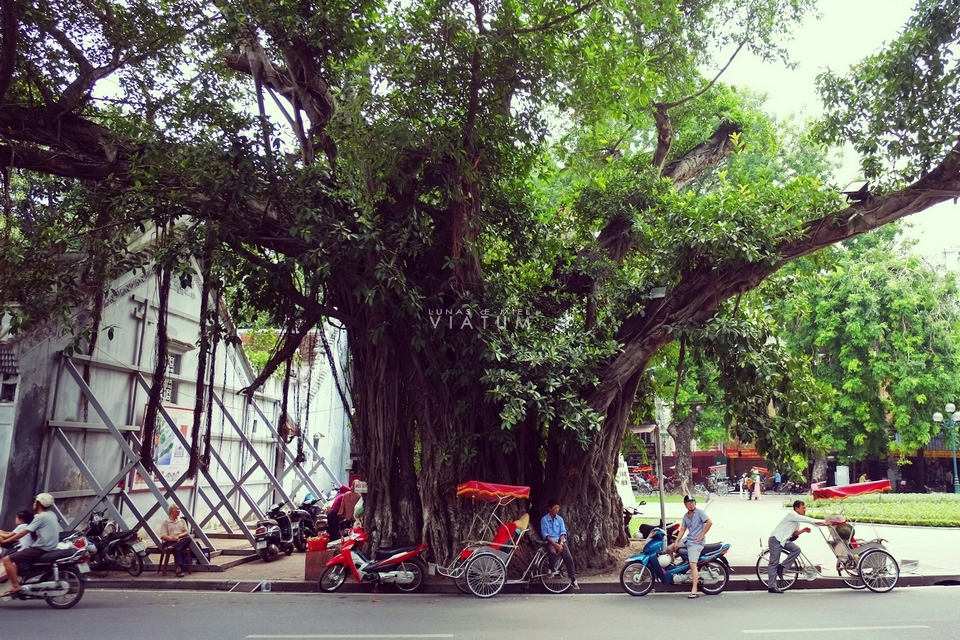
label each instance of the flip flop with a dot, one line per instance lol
(693, 595)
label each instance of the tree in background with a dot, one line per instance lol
(880, 326)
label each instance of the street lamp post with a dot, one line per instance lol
(953, 418)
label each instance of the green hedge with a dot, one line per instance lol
(921, 509)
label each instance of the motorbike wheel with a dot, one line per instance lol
(265, 555)
(304, 531)
(717, 587)
(784, 583)
(419, 571)
(130, 560)
(288, 549)
(554, 584)
(636, 579)
(76, 586)
(332, 578)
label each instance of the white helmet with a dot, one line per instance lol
(45, 500)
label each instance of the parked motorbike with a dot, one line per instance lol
(672, 529)
(399, 565)
(119, 548)
(274, 534)
(302, 524)
(315, 507)
(641, 570)
(59, 576)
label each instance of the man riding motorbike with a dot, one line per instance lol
(46, 530)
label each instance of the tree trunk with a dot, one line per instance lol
(819, 469)
(682, 432)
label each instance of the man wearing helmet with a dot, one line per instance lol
(46, 530)
(695, 525)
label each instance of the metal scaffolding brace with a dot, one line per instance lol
(127, 437)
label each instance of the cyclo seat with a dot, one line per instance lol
(385, 552)
(52, 556)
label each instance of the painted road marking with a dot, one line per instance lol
(829, 629)
(357, 635)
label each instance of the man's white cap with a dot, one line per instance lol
(45, 500)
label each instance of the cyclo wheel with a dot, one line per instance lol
(554, 584)
(485, 575)
(784, 583)
(723, 488)
(636, 579)
(851, 578)
(716, 588)
(879, 571)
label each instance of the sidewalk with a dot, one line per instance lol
(744, 524)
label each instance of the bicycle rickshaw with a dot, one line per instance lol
(860, 563)
(481, 567)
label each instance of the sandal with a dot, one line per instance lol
(693, 595)
(179, 574)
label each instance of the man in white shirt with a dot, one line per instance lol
(782, 538)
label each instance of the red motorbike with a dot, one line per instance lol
(399, 565)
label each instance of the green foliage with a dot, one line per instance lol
(899, 107)
(880, 327)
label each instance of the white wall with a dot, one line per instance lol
(132, 344)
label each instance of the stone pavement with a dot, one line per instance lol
(744, 524)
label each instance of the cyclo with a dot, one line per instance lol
(860, 563)
(481, 567)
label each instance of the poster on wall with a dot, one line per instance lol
(170, 457)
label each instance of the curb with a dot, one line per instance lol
(737, 583)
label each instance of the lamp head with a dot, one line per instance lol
(955, 417)
(857, 191)
(938, 417)
(950, 407)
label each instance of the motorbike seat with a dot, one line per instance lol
(707, 549)
(117, 535)
(385, 552)
(52, 556)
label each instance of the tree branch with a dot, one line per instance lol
(702, 288)
(671, 105)
(552, 23)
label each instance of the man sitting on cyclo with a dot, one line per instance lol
(45, 527)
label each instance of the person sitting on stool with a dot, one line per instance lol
(176, 537)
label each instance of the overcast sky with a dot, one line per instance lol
(847, 31)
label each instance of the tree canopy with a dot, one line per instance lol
(386, 163)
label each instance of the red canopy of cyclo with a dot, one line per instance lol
(489, 492)
(847, 490)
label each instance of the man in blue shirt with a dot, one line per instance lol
(554, 531)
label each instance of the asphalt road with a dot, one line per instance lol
(903, 614)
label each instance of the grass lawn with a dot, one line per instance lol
(654, 500)
(923, 509)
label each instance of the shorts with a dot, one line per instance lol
(694, 549)
(23, 558)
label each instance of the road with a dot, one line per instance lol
(903, 614)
